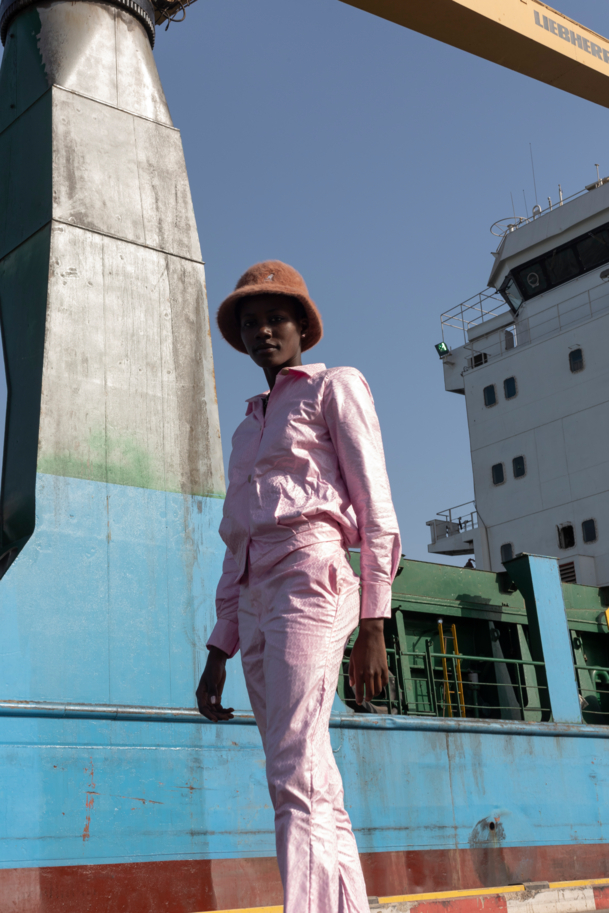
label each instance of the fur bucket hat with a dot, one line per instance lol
(271, 277)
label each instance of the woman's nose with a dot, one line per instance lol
(264, 331)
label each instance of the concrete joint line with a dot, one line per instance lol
(107, 234)
(108, 104)
(104, 234)
(98, 101)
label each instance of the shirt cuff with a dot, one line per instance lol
(376, 600)
(225, 636)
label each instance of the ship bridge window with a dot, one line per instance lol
(589, 531)
(576, 360)
(507, 552)
(498, 474)
(566, 536)
(532, 280)
(509, 387)
(519, 467)
(490, 395)
(561, 266)
(513, 294)
(557, 266)
(593, 251)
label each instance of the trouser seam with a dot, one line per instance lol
(313, 737)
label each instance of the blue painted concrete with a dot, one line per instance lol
(112, 599)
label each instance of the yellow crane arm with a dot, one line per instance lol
(523, 35)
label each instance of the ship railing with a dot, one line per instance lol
(460, 515)
(594, 692)
(458, 685)
(470, 313)
(515, 222)
(453, 521)
(534, 325)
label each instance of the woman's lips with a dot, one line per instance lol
(262, 349)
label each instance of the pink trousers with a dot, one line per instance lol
(294, 620)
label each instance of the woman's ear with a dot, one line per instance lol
(304, 326)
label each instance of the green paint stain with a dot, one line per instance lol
(119, 460)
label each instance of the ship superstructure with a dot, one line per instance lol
(530, 359)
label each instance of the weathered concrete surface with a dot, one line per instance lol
(122, 175)
(92, 48)
(126, 388)
(91, 166)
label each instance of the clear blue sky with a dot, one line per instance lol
(374, 160)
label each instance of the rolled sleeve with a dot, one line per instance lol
(225, 634)
(354, 428)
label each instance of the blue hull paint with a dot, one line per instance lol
(79, 791)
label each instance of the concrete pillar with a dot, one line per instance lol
(113, 480)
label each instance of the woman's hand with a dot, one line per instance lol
(209, 692)
(368, 664)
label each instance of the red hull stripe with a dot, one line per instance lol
(186, 886)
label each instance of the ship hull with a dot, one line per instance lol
(134, 816)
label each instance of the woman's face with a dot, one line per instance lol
(272, 329)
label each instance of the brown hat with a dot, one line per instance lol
(272, 277)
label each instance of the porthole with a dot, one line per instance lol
(507, 552)
(490, 395)
(576, 360)
(589, 533)
(518, 467)
(509, 387)
(498, 474)
(566, 536)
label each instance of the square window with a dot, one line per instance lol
(589, 530)
(490, 395)
(509, 387)
(566, 536)
(518, 467)
(507, 552)
(576, 360)
(498, 474)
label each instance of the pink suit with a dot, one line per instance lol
(306, 481)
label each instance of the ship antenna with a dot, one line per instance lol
(526, 208)
(513, 207)
(533, 170)
(598, 177)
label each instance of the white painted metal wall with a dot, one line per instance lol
(558, 421)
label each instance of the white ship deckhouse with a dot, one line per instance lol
(530, 355)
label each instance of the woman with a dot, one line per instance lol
(307, 479)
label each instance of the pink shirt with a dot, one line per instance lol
(311, 469)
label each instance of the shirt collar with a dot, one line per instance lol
(309, 370)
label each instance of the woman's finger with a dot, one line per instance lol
(359, 690)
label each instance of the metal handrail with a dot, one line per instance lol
(555, 312)
(437, 678)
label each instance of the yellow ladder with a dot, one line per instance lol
(447, 691)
